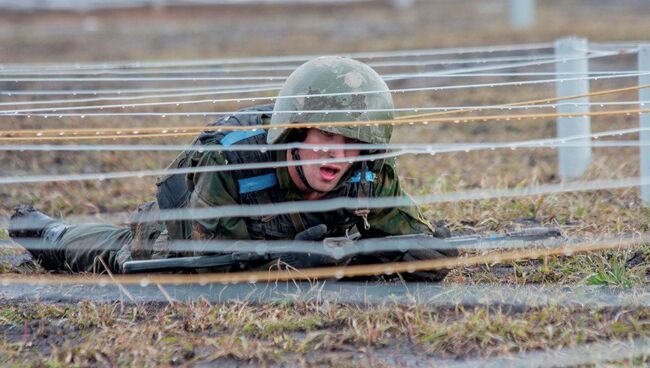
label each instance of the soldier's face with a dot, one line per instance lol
(324, 177)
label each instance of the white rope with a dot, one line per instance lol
(465, 70)
(200, 169)
(324, 205)
(208, 93)
(122, 91)
(535, 62)
(35, 111)
(476, 108)
(286, 246)
(146, 97)
(278, 59)
(426, 149)
(284, 68)
(423, 148)
(176, 92)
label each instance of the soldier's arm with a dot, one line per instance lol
(394, 220)
(214, 189)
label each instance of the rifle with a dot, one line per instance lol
(241, 255)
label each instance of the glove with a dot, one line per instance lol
(423, 254)
(295, 260)
(313, 233)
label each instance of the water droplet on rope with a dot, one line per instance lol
(410, 269)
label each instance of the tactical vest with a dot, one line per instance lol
(257, 186)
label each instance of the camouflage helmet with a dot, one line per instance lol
(330, 83)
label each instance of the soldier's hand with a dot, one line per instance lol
(425, 254)
(313, 233)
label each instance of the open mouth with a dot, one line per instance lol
(328, 173)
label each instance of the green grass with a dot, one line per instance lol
(615, 274)
(199, 332)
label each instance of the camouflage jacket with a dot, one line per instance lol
(215, 189)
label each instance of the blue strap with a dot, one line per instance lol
(239, 135)
(257, 183)
(356, 177)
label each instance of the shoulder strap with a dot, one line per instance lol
(173, 190)
(239, 135)
(257, 183)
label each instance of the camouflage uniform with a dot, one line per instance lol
(328, 83)
(213, 189)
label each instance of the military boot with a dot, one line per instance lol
(27, 223)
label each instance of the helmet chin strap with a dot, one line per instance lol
(295, 155)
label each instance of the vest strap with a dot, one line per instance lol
(256, 183)
(239, 135)
(296, 220)
(356, 177)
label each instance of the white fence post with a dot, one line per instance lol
(573, 161)
(644, 123)
(522, 13)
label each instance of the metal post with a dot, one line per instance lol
(573, 161)
(644, 123)
(522, 14)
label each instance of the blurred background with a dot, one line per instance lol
(58, 30)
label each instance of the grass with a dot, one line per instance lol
(331, 334)
(274, 333)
